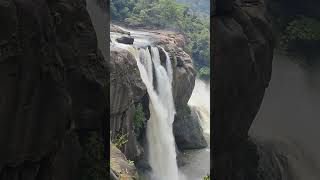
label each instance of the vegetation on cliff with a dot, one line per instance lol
(298, 27)
(168, 14)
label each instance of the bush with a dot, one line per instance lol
(303, 28)
(206, 177)
(120, 140)
(139, 117)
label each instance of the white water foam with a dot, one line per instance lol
(200, 100)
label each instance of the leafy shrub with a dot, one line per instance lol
(120, 140)
(207, 177)
(131, 162)
(139, 117)
(303, 28)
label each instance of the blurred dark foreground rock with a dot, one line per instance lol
(53, 89)
(242, 53)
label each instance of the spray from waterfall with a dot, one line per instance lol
(200, 103)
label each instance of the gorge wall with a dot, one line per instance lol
(242, 53)
(53, 90)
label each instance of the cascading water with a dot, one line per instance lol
(160, 139)
(161, 143)
(200, 102)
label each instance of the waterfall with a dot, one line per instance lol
(161, 143)
(200, 103)
(158, 80)
(160, 139)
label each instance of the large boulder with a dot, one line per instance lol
(188, 132)
(120, 167)
(242, 54)
(125, 40)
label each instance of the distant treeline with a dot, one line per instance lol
(168, 14)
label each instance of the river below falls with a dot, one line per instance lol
(197, 162)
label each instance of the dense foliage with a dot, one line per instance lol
(303, 28)
(138, 117)
(297, 24)
(168, 14)
(198, 6)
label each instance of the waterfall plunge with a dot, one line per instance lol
(161, 143)
(200, 102)
(160, 139)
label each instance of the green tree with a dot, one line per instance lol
(168, 14)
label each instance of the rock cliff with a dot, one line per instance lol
(242, 54)
(53, 89)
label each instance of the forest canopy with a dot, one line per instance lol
(169, 14)
(297, 24)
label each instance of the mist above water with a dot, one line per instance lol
(289, 118)
(198, 161)
(200, 101)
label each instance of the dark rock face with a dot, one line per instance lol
(242, 64)
(224, 6)
(125, 40)
(53, 81)
(188, 132)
